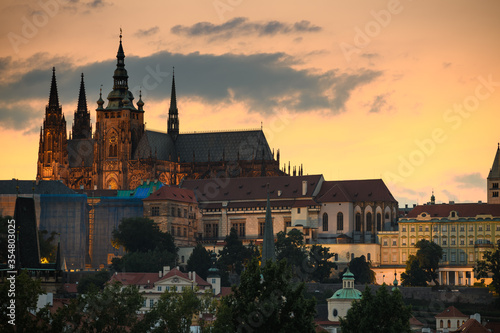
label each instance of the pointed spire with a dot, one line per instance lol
(140, 103)
(495, 168)
(82, 99)
(100, 101)
(268, 250)
(53, 98)
(173, 112)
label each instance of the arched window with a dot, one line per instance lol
(379, 222)
(441, 323)
(113, 151)
(449, 323)
(340, 221)
(358, 222)
(369, 222)
(458, 323)
(387, 216)
(325, 222)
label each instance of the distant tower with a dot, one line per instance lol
(494, 180)
(82, 129)
(119, 127)
(173, 113)
(213, 275)
(433, 198)
(341, 301)
(52, 148)
(268, 250)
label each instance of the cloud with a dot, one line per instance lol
(446, 64)
(471, 180)
(450, 196)
(149, 32)
(379, 103)
(241, 26)
(370, 55)
(265, 82)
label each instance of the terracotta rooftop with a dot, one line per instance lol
(451, 312)
(176, 272)
(172, 194)
(462, 209)
(472, 326)
(137, 279)
(354, 190)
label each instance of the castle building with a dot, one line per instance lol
(121, 152)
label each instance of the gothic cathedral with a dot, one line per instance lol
(121, 152)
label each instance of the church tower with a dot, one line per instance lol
(119, 127)
(82, 129)
(173, 113)
(52, 148)
(494, 180)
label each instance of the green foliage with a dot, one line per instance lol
(151, 261)
(266, 301)
(234, 254)
(490, 264)
(383, 312)
(173, 312)
(199, 261)
(111, 310)
(362, 270)
(26, 297)
(319, 261)
(48, 249)
(291, 247)
(93, 281)
(140, 234)
(414, 276)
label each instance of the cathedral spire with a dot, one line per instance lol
(81, 126)
(268, 251)
(53, 98)
(173, 112)
(82, 99)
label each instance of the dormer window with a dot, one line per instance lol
(453, 214)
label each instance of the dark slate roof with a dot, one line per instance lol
(250, 145)
(462, 209)
(495, 169)
(98, 193)
(252, 188)
(354, 190)
(157, 143)
(80, 150)
(41, 187)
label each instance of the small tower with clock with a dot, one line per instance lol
(119, 127)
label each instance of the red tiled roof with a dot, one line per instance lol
(176, 272)
(451, 312)
(70, 288)
(137, 279)
(471, 326)
(246, 188)
(494, 326)
(354, 190)
(173, 194)
(415, 322)
(462, 209)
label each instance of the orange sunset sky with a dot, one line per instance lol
(407, 91)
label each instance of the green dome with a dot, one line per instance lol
(348, 293)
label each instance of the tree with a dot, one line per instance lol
(26, 292)
(92, 281)
(111, 310)
(319, 261)
(173, 312)
(383, 312)
(362, 270)
(490, 264)
(234, 254)
(199, 261)
(291, 247)
(428, 255)
(414, 275)
(151, 261)
(266, 301)
(140, 234)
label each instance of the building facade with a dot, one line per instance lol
(121, 152)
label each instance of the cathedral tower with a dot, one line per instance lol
(119, 127)
(82, 129)
(173, 113)
(52, 148)
(494, 180)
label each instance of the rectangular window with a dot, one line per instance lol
(435, 228)
(404, 229)
(412, 229)
(172, 211)
(444, 257)
(240, 228)
(453, 257)
(155, 211)
(436, 240)
(471, 242)
(298, 210)
(487, 227)
(159, 288)
(471, 257)
(151, 303)
(420, 228)
(471, 228)
(462, 242)
(498, 227)
(185, 213)
(444, 241)
(462, 228)
(213, 281)
(385, 242)
(262, 225)
(453, 228)
(182, 259)
(179, 212)
(462, 257)
(394, 242)
(394, 257)
(444, 229)
(288, 221)
(452, 241)
(403, 241)
(185, 232)
(144, 303)
(369, 257)
(427, 229)
(495, 194)
(480, 228)
(412, 243)
(403, 257)
(211, 230)
(495, 185)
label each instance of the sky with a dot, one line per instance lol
(407, 91)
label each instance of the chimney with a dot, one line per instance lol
(304, 187)
(160, 274)
(194, 276)
(166, 269)
(189, 275)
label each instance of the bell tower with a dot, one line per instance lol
(119, 127)
(52, 148)
(494, 179)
